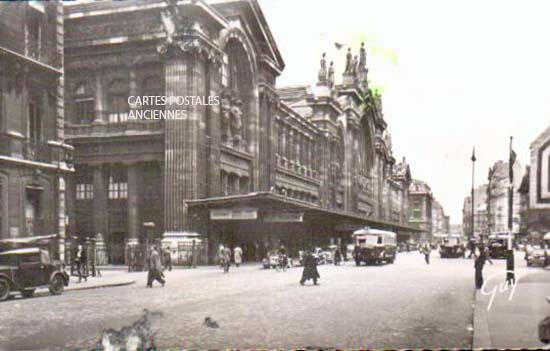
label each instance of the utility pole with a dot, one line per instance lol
(510, 266)
(473, 199)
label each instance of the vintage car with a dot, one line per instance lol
(273, 260)
(498, 245)
(24, 270)
(452, 246)
(536, 256)
(374, 246)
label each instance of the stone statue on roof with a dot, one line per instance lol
(362, 58)
(331, 74)
(323, 70)
(354, 66)
(349, 68)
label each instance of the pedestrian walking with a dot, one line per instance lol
(226, 254)
(167, 258)
(283, 258)
(155, 268)
(310, 269)
(80, 261)
(193, 260)
(472, 246)
(478, 265)
(427, 250)
(238, 256)
(220, 255)
(337, 257)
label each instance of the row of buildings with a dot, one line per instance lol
(530, 200)
(302, 165)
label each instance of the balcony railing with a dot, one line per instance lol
(37, 151)
(112, 129)
(18, 147)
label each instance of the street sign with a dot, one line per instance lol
(284, 217)
(226, 214)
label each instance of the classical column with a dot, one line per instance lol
(184, 172)
(213, 126)
(133, 198)
(100, 203)
(100, 113)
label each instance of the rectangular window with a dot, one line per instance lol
(33, 35)
(35, 122)
(84, 191)
(118, 109)
(117, 189)
(113, 189)
(85, 111)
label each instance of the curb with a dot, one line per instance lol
(45, 292)
(482, 337)
(111, 285)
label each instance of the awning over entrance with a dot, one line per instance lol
(273, 208)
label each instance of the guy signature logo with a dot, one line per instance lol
(500, 288)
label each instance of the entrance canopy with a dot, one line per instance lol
(273, 208)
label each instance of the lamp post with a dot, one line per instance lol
(473, 200)
(510, 265)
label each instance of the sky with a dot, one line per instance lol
(453, 74)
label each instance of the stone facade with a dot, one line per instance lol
(535, 189)
(223, 168)
(35, 163)
(421, 202)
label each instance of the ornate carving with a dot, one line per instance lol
(236, 121)
(178, 30)
(225, 103)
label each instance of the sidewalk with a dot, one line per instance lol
(107, 280)
(511, 322)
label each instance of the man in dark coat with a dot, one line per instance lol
(167, 259)
(310, 269)
(155, 268)
(478, 265)
(337, 256)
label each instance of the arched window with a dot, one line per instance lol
(84, 104)
(118, 101)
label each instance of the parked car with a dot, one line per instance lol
(273, 260)
(536, 256)
(25, 270)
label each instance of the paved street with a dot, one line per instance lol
(405, 305)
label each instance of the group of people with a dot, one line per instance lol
(224, 257)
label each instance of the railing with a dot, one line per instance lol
(37, 151)
(295, 167)
(107, 129)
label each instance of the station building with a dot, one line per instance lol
(298, 166)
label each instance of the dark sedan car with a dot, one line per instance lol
(24, 270)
